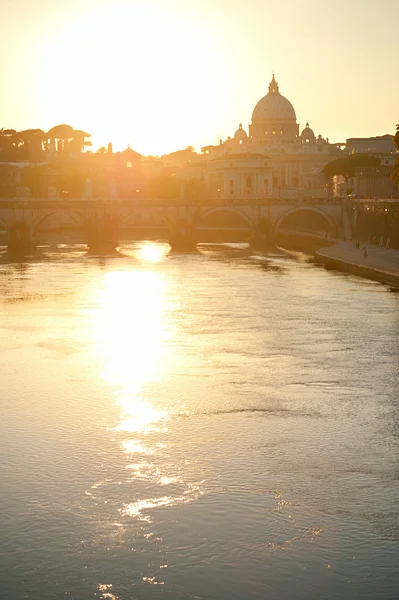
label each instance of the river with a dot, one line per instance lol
(221, 425)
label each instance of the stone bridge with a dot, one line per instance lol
(22, 220)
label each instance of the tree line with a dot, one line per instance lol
(36, 145)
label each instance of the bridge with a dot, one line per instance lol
(23, 220)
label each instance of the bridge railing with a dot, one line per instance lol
(161, 202)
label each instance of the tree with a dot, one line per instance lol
(9, 143)
(60, 135)
(347, 165)
(79, 141)
(65, 138)
(181, 157)
(395, 173)
(32, 140)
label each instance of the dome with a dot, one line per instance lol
(240, 135)
(307, 133)
(274, 107)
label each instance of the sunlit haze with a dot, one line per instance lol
(165, 74)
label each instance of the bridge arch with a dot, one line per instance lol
(215, 223)
(151, 210)
(331, 225)
(4, 224)
(202, 215)
(43, 217)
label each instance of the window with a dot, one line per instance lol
(274, 133)
(281, 132)
(129, 164)
(249, 182)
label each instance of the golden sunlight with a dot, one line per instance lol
(130, 333)
(154, 253)
(131, 74)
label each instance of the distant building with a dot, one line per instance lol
(114, 174)
(240, 175)
(368, 182)
(375, 182)
(380, 144)
(277, 161)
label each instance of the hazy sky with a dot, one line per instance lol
(165, 74)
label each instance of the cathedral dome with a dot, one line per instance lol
(240, 135)
(308, 134)
(274, 107)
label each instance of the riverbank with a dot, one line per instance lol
(303, 242)
(380, 264)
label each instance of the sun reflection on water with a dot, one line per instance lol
(153, 252)
(132, 334)
(106, 591)
(149, 471)
(131, 329)
(140, 507)
(141, 416)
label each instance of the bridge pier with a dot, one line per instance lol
(101, 233)
(262, 241)
(20, 240)
(263, 236)
(183, 236)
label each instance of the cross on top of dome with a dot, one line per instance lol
(273, 86)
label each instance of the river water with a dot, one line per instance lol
(220, 425)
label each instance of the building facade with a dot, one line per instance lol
(273, 159)
(380, 144)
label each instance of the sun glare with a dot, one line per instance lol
(130, 334)
(153, 252)
(131, 74)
